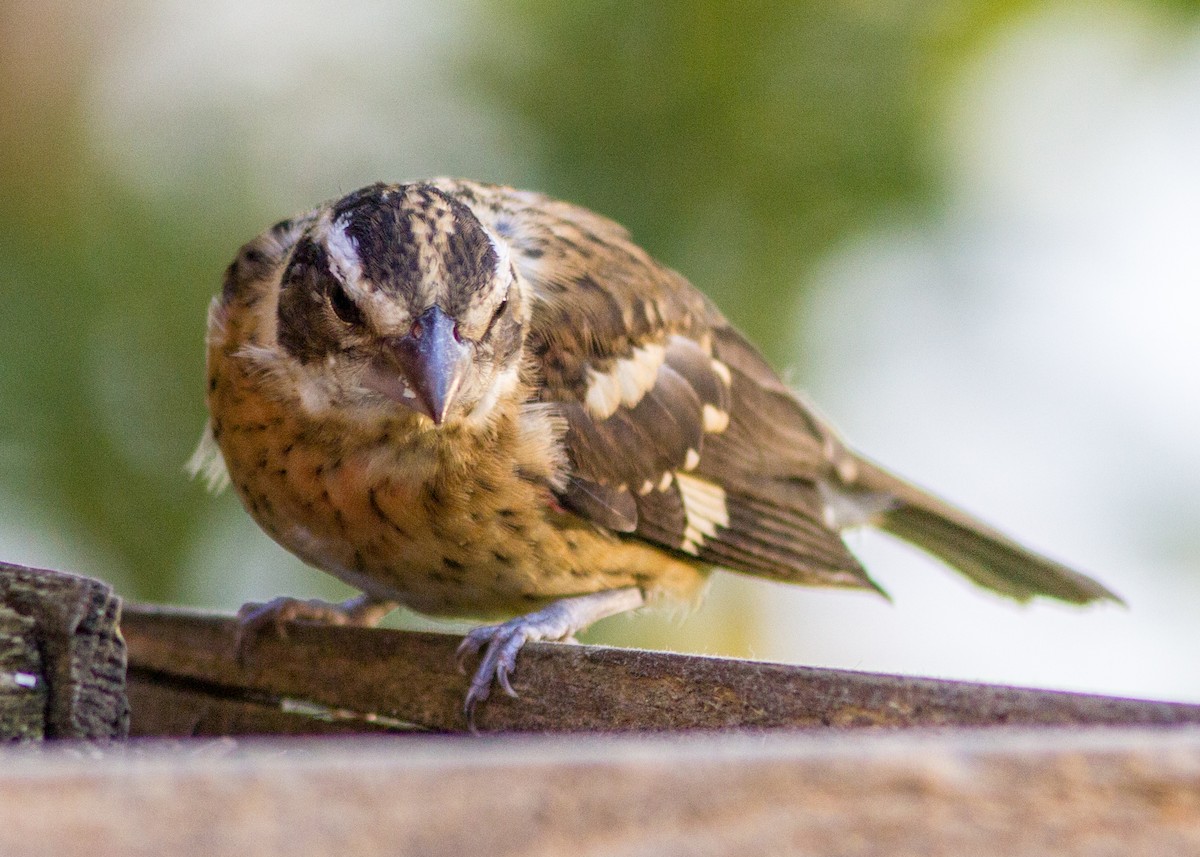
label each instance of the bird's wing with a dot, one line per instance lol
(677, 430)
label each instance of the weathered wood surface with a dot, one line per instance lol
(62, 660)
(22, 680)
(1010, 792)
(185, 680)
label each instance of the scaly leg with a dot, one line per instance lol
(558, 621)
(363, 610)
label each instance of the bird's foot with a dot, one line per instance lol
(254, 618)
(558, 621)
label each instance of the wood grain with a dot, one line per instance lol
(1005, 792)
(409, 680)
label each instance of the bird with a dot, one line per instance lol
(482, 402)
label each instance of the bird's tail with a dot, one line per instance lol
(985, 555)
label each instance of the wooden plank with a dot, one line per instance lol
(410, 679)
(179, 710)
(1016, 793)
(72, 654)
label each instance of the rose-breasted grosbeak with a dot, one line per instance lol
(479, 401)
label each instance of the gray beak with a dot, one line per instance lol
(433, 361)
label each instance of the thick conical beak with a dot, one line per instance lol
(433, 361)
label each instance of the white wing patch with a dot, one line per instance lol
(723, 372)
(625, 384)
(208, 462)
(704, 510)
(715, 419)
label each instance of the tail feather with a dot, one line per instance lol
(981, 553)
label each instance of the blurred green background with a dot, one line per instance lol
(780, 154)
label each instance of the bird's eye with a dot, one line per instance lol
(344, 306)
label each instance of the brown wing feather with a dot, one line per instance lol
(696, 446)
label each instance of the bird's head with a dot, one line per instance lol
(398, 295)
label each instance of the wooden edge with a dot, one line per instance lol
(409, 678)
(75, 621)
(1011, 792)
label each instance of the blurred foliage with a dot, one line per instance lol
(98, 338)
(738, 141)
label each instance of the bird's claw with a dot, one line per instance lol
(254, 618)
(470, 646)
(500, 645)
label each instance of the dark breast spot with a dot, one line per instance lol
(373, 502)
